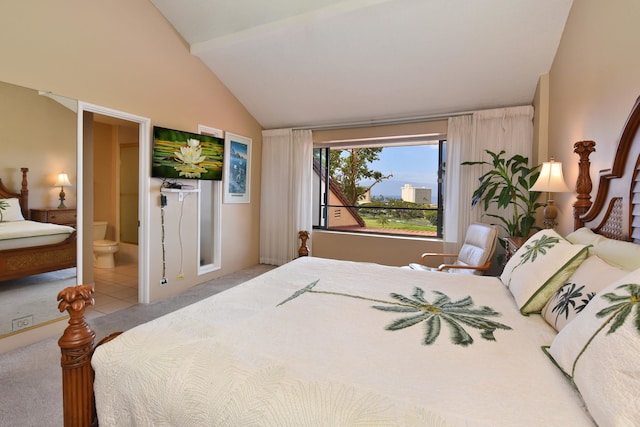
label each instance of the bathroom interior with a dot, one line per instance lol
(115, 214)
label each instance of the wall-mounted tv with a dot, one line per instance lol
(178, 154)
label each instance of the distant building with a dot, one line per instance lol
(366, 197)
(416, 194)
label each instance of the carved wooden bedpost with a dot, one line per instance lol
(24, 193)
(76, 345)
(583, 183)
(304, 250)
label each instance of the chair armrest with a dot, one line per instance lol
(484, 267)
(431, 254)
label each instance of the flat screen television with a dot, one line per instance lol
(185, 155)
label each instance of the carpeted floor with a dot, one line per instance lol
(28, 299)
(30, 377)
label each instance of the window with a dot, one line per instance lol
(385, 187)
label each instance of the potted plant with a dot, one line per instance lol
(506, 184)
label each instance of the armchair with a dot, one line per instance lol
(474, 256)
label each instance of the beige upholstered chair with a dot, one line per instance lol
(474, 256)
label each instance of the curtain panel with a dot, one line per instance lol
(508, 129)
(286, 193)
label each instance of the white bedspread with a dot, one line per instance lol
(23, 234)
(324, 357)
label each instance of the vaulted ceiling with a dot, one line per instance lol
(309, 63)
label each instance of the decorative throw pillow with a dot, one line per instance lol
(625, 255)
(590, 277)
(539, 268)
(599, 351)
(11, 211)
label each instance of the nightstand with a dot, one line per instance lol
(64, 216)
(511, 245)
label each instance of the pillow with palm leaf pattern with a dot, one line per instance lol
(539, 268)
(598, 351)
(590, 277)
(10, 210)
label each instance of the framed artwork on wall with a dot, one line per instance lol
(237, 169)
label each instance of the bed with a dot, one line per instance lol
(29, 247)
(553, 341)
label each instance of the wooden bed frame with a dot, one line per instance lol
(22, 262)
(610, 215)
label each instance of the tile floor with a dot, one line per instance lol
(115, 289)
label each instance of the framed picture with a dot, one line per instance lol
(237, 169)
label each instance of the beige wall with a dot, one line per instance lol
(371, 248)
(593, 85)
(104, 173)
(124, 55)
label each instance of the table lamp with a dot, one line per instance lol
(550, 180)
(63, 181)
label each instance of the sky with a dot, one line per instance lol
(415, 165)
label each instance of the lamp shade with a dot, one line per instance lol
(63, 180)
(551, 178)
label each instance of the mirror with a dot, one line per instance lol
(38, 131)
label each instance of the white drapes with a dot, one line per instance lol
(508, 129)
(286, 193)
(456, 211)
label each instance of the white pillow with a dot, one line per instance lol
(625, 255)
(539, 268)
(590, 277)
(599, 351)
(11, 211)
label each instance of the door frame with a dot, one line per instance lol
(144, 162)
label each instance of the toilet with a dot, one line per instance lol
(103, 250)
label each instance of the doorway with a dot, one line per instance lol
(132, 232)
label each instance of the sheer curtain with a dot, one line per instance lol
(508, 129)
(286, 193)
(457, 208)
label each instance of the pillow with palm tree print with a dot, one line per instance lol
(598, 351)
(10, 210)
(539, 268)
(590, 277)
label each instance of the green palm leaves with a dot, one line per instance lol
(567, 296)
(454, 314)
(623, 307)
(507, 183)
(538, 246)
(532, 250)
(3, 205)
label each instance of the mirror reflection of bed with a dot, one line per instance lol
(42, 130)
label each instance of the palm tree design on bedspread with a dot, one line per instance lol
(454, 314)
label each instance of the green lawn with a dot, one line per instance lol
(400, 225)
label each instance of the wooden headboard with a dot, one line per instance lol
(22, 196)
(615, 211)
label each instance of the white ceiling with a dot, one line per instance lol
(309, 63)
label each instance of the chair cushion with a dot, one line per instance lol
(479, 245)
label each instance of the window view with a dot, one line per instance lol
(389, 189)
